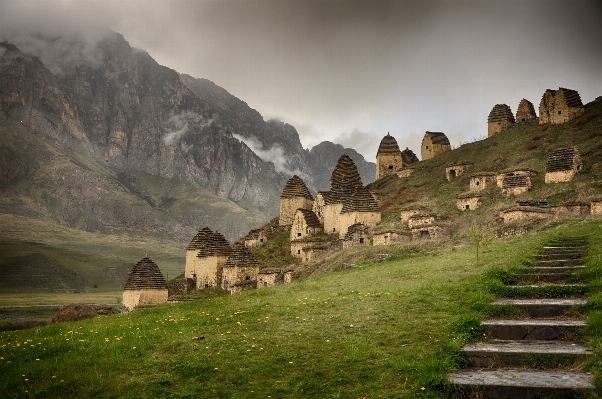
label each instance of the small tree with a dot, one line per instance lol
(480, 233)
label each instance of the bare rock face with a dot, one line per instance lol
(131, 113)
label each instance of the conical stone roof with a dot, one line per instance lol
(340, 190)
(360, 201)
(408, 157)
(209, 243)
(145, 275)
(241, 256)
(572, 97)
(388, 145)
(310, 218)
(345, 169)
(525, 110)
(500, 113)
(438, 138)
(295, 187)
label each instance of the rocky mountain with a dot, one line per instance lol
(139, 122)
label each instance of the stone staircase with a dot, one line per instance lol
(510, 364)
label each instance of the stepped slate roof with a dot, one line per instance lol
(408, 157)
(310, 218)
(526, 108)
(360, 201)
(388, 145)
(571, 97)
(345, 169)
(295, 187)
(145, 275)
(241, 256)
(499, 113)
(561, 159)
(340, 190)
(438, 138)
(209, 243)
(355, 228)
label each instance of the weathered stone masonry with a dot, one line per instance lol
(145, 285)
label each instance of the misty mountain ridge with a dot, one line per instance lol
(116, 106)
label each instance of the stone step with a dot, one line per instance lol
(542, 277)
(516, 353)
(522, 383)
(531, 329)
(559, 255)
(543, 307)
(555, 269)
(559, 262)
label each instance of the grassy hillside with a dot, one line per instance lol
(69, 223)
(380, 330)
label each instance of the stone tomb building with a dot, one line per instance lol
(255, 238)
(480, 181)
(357, 234)
(525, 112)
(499, 119)
(295, 195)
(388, 157)
(469, 201)
(390, 237)
(516, 181)
(433, 144)
(305, 224)
(145, 285)
(205, 258)
(240, 270)
(560, 106)
(457, 169)
(562, 165)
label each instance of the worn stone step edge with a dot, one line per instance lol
(568, 302)
(523, 378)
(527, 347)
(534, 322)
(555, 269)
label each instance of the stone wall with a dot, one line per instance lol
(405, 172)
(453, 171)
(207, 271)
(267, 279)
(288, 207)
(426, 233)
(430, 150)
(387, 164)
(469, 203)
(183, 285)
(578, 210)
(560, 106)
(494, 128)
(369, 219)
(519, 213)
(134, 298)
(596, 207)
(301, 230)
(390, 237)
(482, 181)
(318, 207)
(405, 214)
(256, 241)
(239, 276)
(419, 220)
(331, 214)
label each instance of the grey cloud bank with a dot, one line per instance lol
(346, 71)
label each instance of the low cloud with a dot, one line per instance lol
(181, 124)
(274, 154)
(366, 143)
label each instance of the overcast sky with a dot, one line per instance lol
(351, 71)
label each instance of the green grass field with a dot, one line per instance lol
(380, 330)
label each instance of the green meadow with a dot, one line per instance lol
(389, 329)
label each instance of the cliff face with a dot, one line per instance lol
(131, 113)
(314, 166)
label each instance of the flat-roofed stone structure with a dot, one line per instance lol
(145, 285)
(562, 165)
(596, 207)
(295, 195)
(406, 213)
(305, 224)
(499, 118)
(469, 201)
(357, 234)
(420, 219)
(560, 106)
(572, 209)
(205, 258)
(515, 182)
(520, 212)
(255, 238)
(273, 277)
(480, 181)
(405, 172)
(390, 237)
(457, 169)
(525, 112)
(431, 232)
(388, 157)
(240, 270)
(433, 144)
